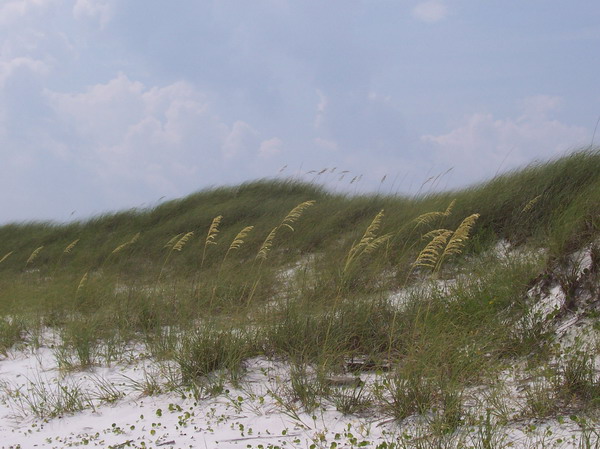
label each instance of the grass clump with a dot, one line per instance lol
(208, 349)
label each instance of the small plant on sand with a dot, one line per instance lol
(352, 399)
(406, 394)
(209, 349)
(578, 378)
(44, 399)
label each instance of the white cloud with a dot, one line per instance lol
(325, 144)
(539, 106)
(12, 10)
(10, 67)
(104, 112)
(430, 11)
(271, 147)
(241, 139)
(101, 10)
(159, 137)
(483, 144)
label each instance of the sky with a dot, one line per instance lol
(115, 104)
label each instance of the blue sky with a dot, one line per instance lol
(112, 104)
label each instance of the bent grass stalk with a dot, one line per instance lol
(457, 241)
(423, 220)
(236, 243)
(262, 254)
(176, 243)
(444, 244)
(121, 247)
(295, 214)
(70, 246)
(34, 255)
(6, 256)
(213, 230)
(530, 204)
(292, 216)
(67, 250)
(368, 243)
(82, 282)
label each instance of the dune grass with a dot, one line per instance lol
(288, 269)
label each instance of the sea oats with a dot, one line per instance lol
(34, 255)
(126, 244)
(172, 241)
(448, 210)
(376, 243)
(369, 240)
(70, 246)
(296, 213)
(368, 236)
(434, 233)
(82, 282)
(6, 256)
(182, 241)
(429, 256)
(267, 244)
(213, 230)
(429, 217)
(457, 241)
(530, 204)
(239, 238)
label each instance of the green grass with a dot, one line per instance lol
(315, 289)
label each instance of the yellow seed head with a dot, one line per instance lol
(126, 244)
(6, 256)
(296, 213)
(531, 203)
(239, 238)
(449, 208)
(213, 230)
(457, 241)
(434, 233)
(267, 244)
(172, 241)
(34, 255)
(369, 241)
(182, 241)
(429, 256)
(82, 282)
(70, 246)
